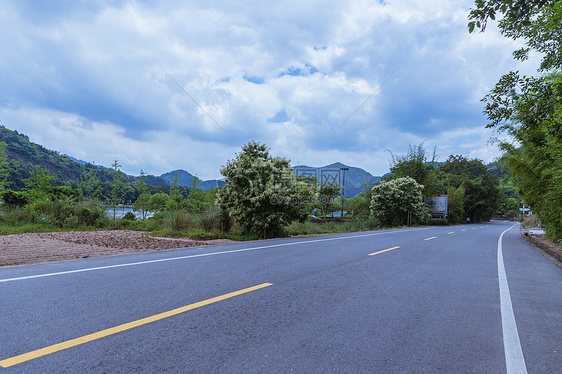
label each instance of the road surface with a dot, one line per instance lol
(464, 299)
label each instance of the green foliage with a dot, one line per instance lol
(398, 202)
(455, 204)
(142, 202)
(508, 202)
(24, 156)
(325, 197)
(90, 212)
(535, 21)
(473, 192)
(14, 199)
(529, 109)
(196, 201)
(4, 173)
(209, 219)
(55, 214)
(40, 181)
(226, 222)
(157, 202)
(262, 194)
(415, 164)
(116, 187)
(129, 216)
(90, 184)
(360, 206)
(437, 222)
(175, 197)
(178, 220)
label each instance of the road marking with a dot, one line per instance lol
(514, 360)
(449, 233)
(433, 237)
(127, 326)
(386, 250)
(463, 230)
(201, 255)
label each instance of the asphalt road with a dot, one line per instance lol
(418, 300)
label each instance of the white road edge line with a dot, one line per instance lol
(514, 360)
(199, 255)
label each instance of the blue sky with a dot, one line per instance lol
(90, 79)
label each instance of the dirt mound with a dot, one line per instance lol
(22, 249)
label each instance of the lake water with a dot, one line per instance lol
(120, 212)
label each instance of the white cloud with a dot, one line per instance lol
(87, 81)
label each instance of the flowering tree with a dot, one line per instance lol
(398, 202)
(262, 194)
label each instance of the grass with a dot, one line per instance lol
(530, 222)
(65, 216)
(331, 227)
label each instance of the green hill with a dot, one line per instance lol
(24, 156)
(184, 179)
(354, 177)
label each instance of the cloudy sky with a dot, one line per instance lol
(164, 85)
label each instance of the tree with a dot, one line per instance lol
(157, 202)
(419, 165)
(398, 202)
(455, 204)
(40, 181)
(529, 109)
(116, 187)
(90, 184)
(195, 201)
(141, 204)
(536, 21)
(326, 195)
(4, 172)
(262, 194)
(360, 205)
(472, 190)
(175, 197)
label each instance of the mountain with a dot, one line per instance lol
(184, 179)
(24, 156)
(354, 177)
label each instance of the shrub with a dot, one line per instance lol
(398, 202)
(14, 199)
(208, 220)
(437, 222)
(532, 221)
(129, 216)
(372, 223)
(225, 221)
(178, 220)
(91, 213)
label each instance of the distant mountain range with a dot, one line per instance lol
(185, 179)
(335, 173)
(24, 156)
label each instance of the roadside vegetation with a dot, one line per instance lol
(262, 199)
(527, 110)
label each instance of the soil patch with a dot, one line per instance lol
(20, 249)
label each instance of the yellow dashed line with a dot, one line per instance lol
(386, 250)
(114, 330)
